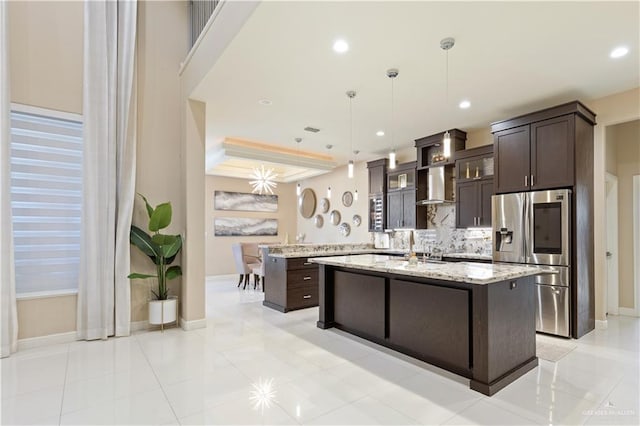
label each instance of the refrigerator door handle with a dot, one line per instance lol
(526, 222)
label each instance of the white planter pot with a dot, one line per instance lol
(163, 311)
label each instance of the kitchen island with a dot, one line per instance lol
(476, 320)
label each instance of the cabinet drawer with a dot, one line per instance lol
(302, 278)
(302, 297)
(300, 263)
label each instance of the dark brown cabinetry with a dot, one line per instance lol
(537, 151)
(293, 283)
(360, 304)
(553, 148)
(443, 333)
(377, 194)
(474, 186)
(401, 196)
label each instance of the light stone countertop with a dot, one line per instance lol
(336, 252)
(469, 256)
(468, 272)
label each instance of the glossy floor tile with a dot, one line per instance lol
(254, 365)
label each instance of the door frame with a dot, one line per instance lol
(611, 212)
(636, 242)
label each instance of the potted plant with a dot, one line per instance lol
(162, 250)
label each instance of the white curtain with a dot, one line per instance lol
(109, 104)
(8, 310)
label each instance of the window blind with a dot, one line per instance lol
(46, 200)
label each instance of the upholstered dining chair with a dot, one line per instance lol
(246, 257)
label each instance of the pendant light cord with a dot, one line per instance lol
(392, 115)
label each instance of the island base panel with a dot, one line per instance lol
(490, 389)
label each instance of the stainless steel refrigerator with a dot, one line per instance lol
(534, 228)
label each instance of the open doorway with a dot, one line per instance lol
(622, 158)
(611, 217)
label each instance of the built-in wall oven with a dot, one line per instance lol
(535, 228)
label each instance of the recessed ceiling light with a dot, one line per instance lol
(464, 104)
(340, 46)
(379, 133)
(266, 102)
(619, 52)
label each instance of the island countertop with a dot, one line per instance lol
(467, 272)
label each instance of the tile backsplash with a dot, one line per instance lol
(442, 234)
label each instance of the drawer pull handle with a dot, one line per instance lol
(306, 278)
(306, 296)
(307, 263)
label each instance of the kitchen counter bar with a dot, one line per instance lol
(466, 272)
(475, 320)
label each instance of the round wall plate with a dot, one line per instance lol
(319, 221)
(344, 229)
(335, 217)
(347, 199)
(324, 205)
(357, 220)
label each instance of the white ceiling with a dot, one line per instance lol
(510, 58)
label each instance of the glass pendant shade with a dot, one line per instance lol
(298, 189)
(355, 195)
(329, 192)
(446, 151)
(392, 159)
(350, 169)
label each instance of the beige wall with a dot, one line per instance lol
(624, 140)
(218, 255)
(611, 154)
(614, 109)
(158, 163)
(46, 71)
(339, 183)
(46, 54)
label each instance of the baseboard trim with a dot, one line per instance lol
(217, 278)
(139, 325)
(601, 325)
(193, 324)
(51, 339)
(628, 312)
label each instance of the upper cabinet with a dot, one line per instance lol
(401, 197)
(538, 151)
(474, 186)
(377, 194)
(430, 150)
(377, 176)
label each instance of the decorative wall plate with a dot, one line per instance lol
(344, 229)
(334, 217)
(307, 203)
(347, 198)
(319, 221)
(324, 205)
(357, 220)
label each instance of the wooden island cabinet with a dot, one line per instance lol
(476, 320)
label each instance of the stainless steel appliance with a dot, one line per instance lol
(535, 228)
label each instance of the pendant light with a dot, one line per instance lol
(350, 94)
(355, 193)
(298, 186)
(392, 73)
(446, 44)
(329, 146)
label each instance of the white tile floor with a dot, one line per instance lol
(319, 377)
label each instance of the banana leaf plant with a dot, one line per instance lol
(160, 248)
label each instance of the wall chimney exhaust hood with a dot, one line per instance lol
(440, 186)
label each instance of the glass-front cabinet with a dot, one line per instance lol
(401, 179)
(475, 167)
(474, 187)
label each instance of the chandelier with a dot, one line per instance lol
(263, 180)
